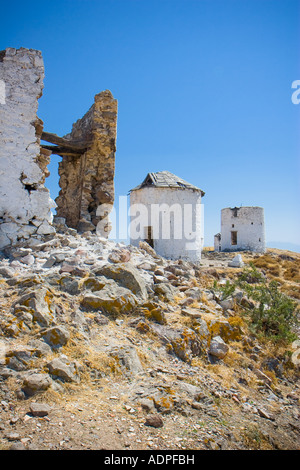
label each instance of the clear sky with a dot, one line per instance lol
(204, 90)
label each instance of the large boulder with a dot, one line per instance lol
(126, 276)
(165, 291)
(56, 336)
(127, 358)
(113, 300)
(236, 262)
(39, 302)
(218, 348)
(184, 343)
(64, 369)
(36, 382)
(218, 325)
(20, 358)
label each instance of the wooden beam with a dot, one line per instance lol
(65, 143)
(63, 151)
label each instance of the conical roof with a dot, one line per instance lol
(165, 179)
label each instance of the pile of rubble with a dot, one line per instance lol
(81, 311)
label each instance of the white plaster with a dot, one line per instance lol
(22, 72)
(175, 216)
(2, 92)
(250, 227)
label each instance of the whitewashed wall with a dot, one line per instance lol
(22, 211)
(178, 236)
(249, 225)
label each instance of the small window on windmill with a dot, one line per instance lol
(233, 238)
(149, 236)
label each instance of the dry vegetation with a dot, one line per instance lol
(284, 267)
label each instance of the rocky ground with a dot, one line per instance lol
(107, 346)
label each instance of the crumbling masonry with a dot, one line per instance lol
(88, 156)
(25, 203)
(87, 168)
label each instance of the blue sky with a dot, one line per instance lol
(203, 89)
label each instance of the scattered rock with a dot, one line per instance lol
(6, 272)
(154, 421)
(13, 436)
(17, 446)
(147, 404)
(119, 256)
(263, 413)
(146, 330)
(127, 358)
(227, 304)
(64, 369)
(39, 301)
(56, 337)
(40, 347)
(39, 409)
(218, 348)
(36, 382)
(236, 262)
(29, 259)
(164, 291)
(146, 247)
(260, 375)
(85, 226)
(50, 262)
(191, 312)
(20, 358)
(154, 311)
(67, 268)
(184, 343)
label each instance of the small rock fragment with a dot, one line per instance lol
(154, 421)
(17, 446)
(39, 409)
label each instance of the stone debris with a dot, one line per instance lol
(98, 129)
(146, 337)
(63, 369)
(36, 382)
(56, 336)
(236, 262)
(39, 409)
(218, 347)
(155, 421)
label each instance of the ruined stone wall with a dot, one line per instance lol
(243, 228)
(25, 203)
(87, 181)
(88, 156)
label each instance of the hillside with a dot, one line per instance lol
(107, 346)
